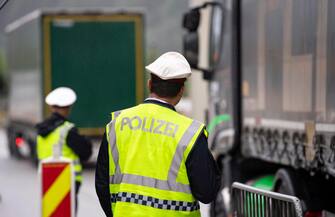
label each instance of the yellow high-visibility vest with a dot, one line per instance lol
(58, 137)
(148, 147)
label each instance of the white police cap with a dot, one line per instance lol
(61, 96)
(170, 65)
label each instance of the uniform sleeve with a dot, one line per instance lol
(102, 178)
(79, 144)
(202, 171)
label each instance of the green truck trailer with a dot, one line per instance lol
(99, 54)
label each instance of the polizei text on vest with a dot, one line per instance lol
(150, 125)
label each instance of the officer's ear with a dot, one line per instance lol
(181, 91)
(149, 84)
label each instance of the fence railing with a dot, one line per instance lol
(253, 202)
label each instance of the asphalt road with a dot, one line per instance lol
(19, 188)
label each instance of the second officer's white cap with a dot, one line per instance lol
(170, 65)
(61, 96)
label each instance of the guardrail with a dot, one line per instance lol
(253, 202)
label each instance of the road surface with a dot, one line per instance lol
(19, 188)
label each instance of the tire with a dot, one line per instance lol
(10, 143)
(13, 151)
(290, 182)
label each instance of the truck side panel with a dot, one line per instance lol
(23, 57)
(287, 66)
(101, 58)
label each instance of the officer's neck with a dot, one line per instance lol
(62, 111)
(170, 100)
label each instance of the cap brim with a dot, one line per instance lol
(167, 78)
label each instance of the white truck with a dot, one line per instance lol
(271, 112)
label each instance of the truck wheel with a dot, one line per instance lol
(10, 143)
(13, 151)
(289, 182)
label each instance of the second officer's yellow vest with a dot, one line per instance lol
(148, 147)
(58, 136)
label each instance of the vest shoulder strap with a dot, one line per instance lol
(64, 130)
(115, 114)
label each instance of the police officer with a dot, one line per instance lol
(57, 130)
(154, 161)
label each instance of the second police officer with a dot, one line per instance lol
(58, 130)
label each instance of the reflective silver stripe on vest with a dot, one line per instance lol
(150, 182)
(112, 142)
(63, 133)
(155, 202)
(178, 155)
(64, 130)
(171, 183)
(117, 113)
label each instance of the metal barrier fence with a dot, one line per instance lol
(253, 202)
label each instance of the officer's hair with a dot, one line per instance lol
(166, 88)
(60, 107)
